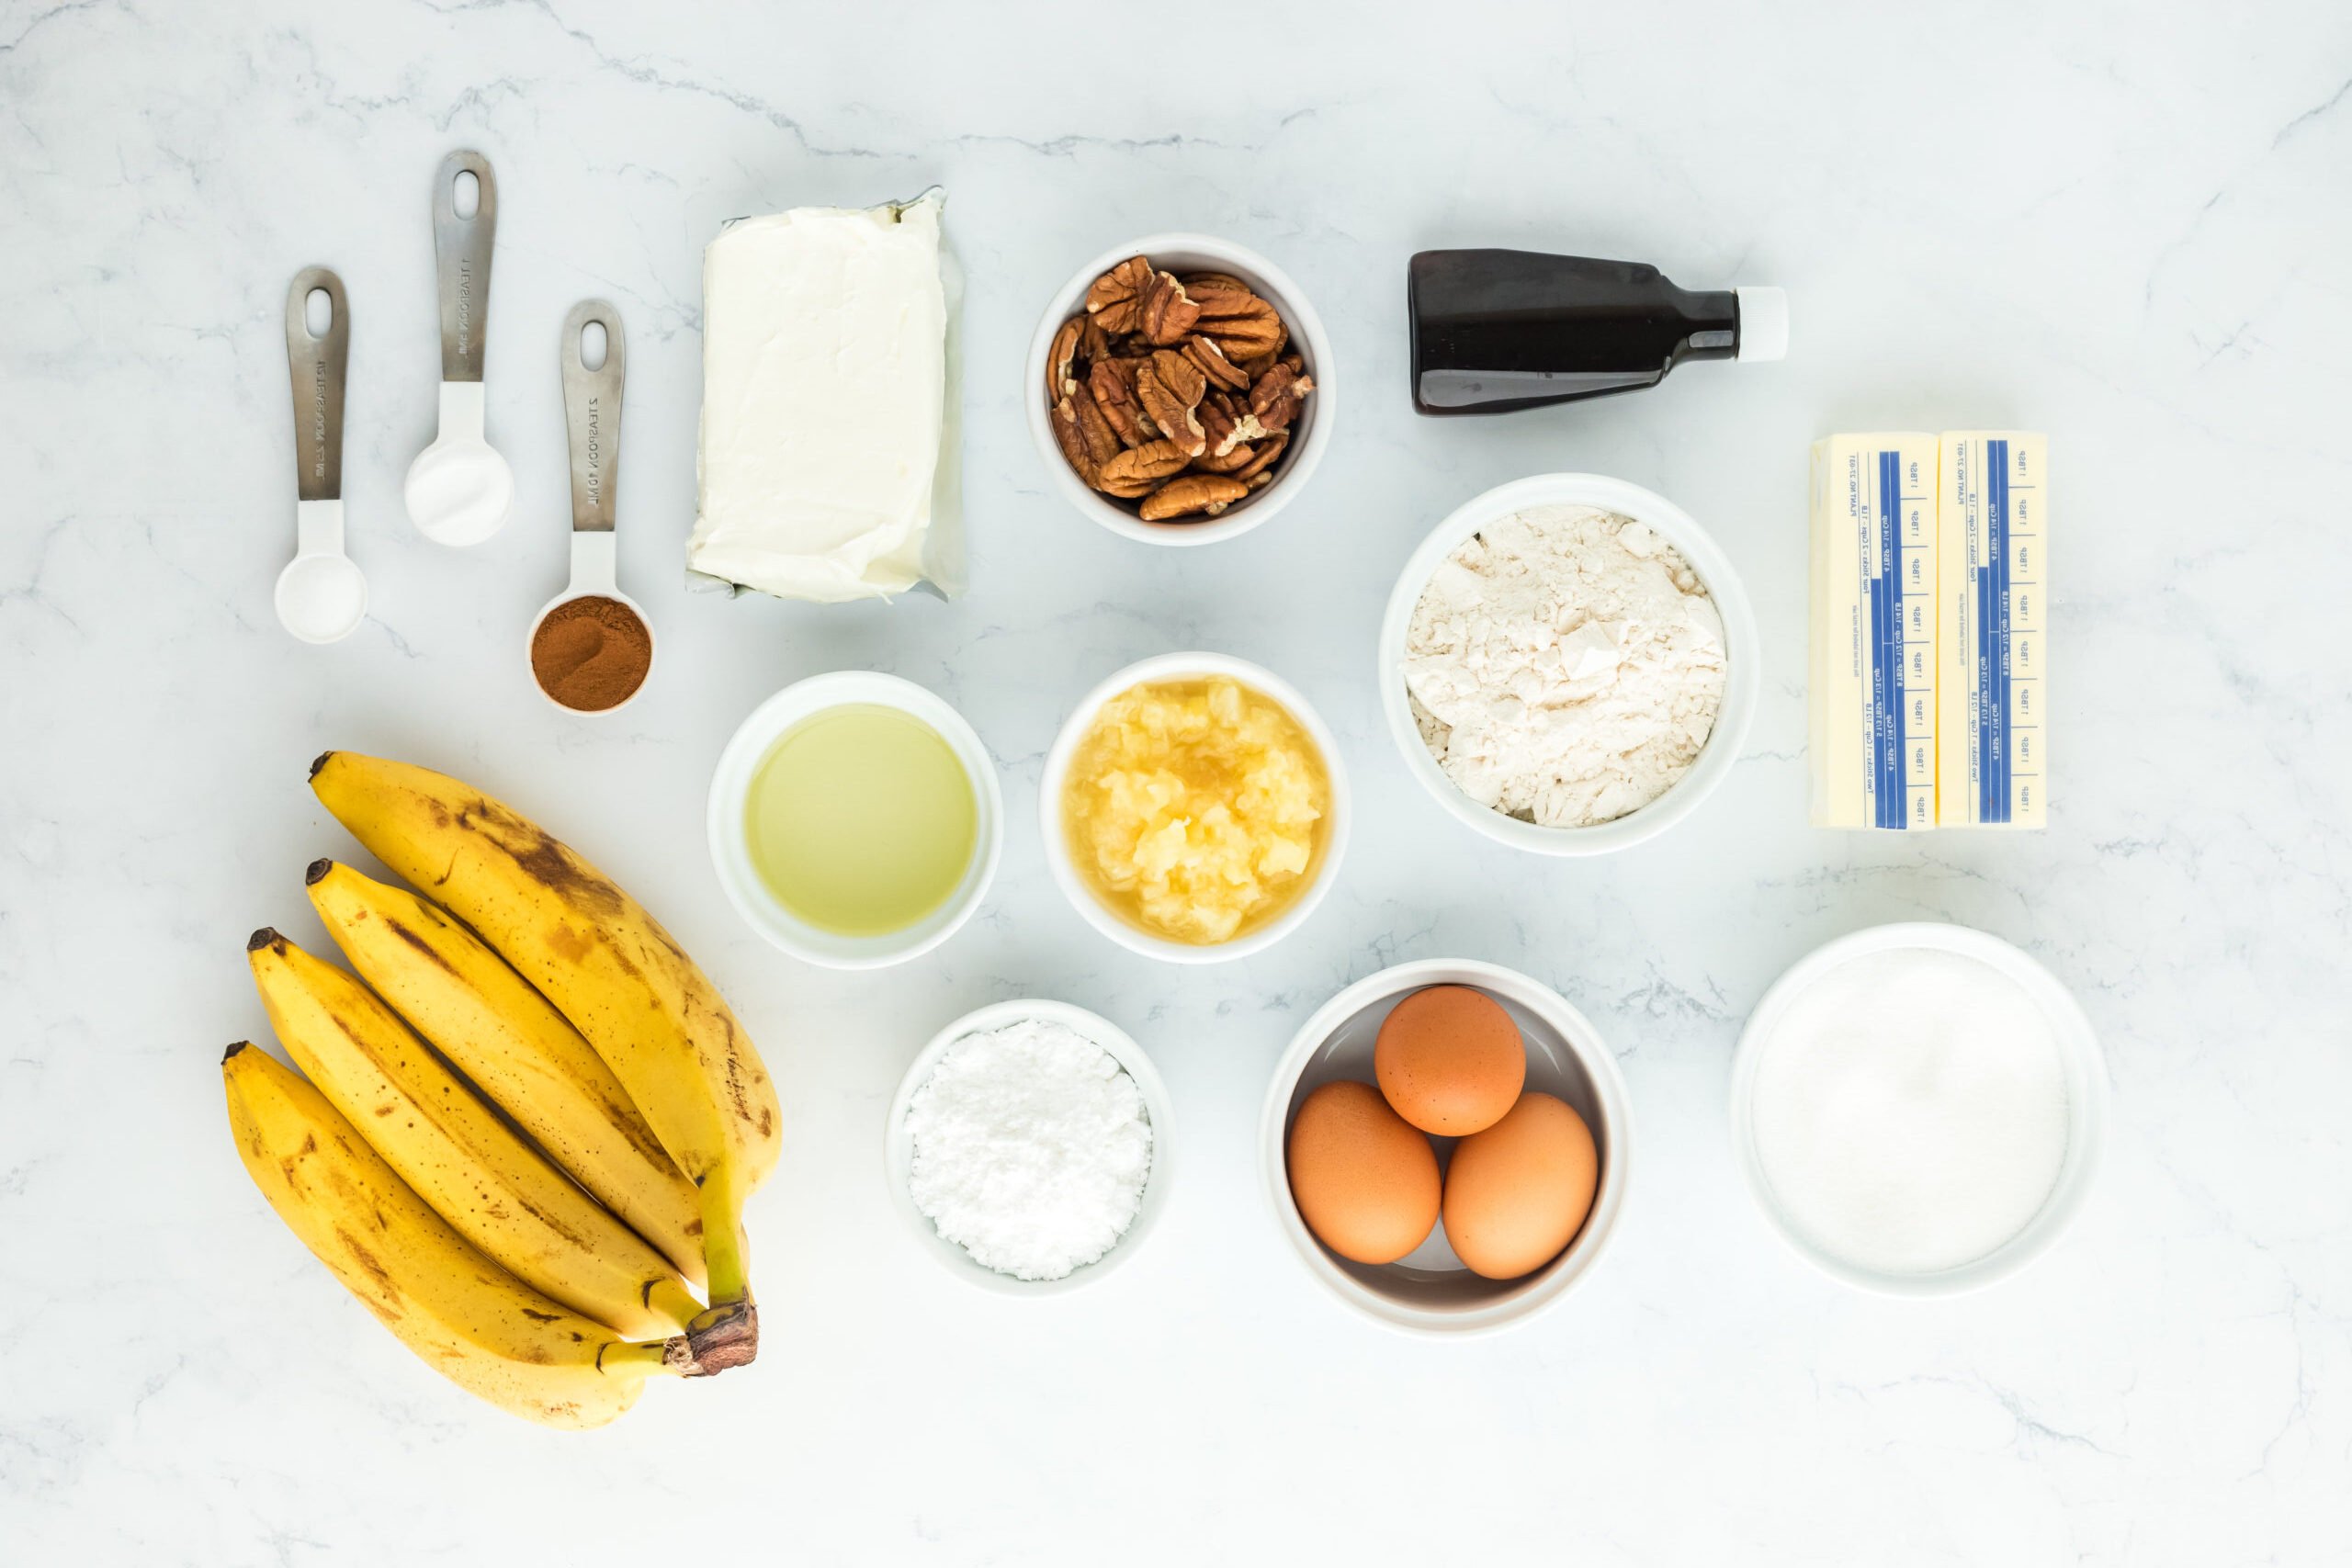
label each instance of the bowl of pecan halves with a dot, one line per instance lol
(1180, 390)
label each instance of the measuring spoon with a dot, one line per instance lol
(592, 417)
(459, 489)
(321, 597)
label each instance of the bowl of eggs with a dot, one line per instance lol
(1445, 1146)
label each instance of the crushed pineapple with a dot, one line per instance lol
(1196, 809)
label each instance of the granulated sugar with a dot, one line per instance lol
(1910, 1111)
(1032, 1146)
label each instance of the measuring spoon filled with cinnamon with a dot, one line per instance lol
(592, 649)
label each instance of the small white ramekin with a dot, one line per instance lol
(1309, 435)
(1189, 667)
(1744, 658)
(898, 1150)
(2086, 1068)
(730, 785)
(1429, 1292)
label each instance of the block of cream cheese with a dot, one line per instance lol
(1873, 673)
(1994, 519)
(828, 469)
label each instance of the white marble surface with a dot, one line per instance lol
(2124, 226)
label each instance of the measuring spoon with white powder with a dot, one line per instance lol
(321, 595)
(459, 489)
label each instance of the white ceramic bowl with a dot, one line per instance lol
(2086, 1068)
(899, 1152)
(1429, 1292)
(1309, 435)
(1744, 658)
(730, 784)
(1188, 667)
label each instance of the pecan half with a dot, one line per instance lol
(1220, 370)
(1145, 466)
(1208, 493)
(1059, 380)
(1230, 462)
(1227, 424)
(1240, 323)
(1167, 312)
(1113, 383)
(1182, 375)
(1170, 410)
(1102, 443)
(1093, 343)
(1267, 453)
(1275, 396)
(1072, 441)
(1115, 299)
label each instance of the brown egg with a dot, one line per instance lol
(1450, 1060)
(1366, 1184)
(1518, 1193)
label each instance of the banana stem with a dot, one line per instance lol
(728, 1334)
(636, 1361)
(672, 1299)
(725, 1254)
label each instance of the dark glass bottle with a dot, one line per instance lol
(1500, 329)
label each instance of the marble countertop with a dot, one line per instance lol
(2126, 230)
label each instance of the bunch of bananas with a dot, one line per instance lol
(523, 1136)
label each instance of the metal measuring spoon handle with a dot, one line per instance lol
(461, 249)
(317, 364)
(591, 415)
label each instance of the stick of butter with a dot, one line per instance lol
(1874, 670)
(1994, 519)
(827, 469)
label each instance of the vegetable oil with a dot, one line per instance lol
(862, 821)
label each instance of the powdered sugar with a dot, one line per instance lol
(1564, 665)
(1032, 1146)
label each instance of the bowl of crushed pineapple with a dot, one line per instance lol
(1193, 807)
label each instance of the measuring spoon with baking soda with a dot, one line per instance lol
(459, 489)
(592, 649)
(321, 597)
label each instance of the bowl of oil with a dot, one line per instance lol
(855, 821)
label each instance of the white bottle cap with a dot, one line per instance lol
(1763, 323)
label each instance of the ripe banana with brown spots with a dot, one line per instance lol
(517, 1050)
(465, 1316)
(610, 968)
(447, 1143)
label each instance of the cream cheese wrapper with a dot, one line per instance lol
(1994, 537)
(1874, 666)
(828, 467)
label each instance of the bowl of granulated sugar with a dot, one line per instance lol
(1028, 1147)
(1918, 1109)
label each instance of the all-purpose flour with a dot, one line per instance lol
(1031, 1148)
(1565, 666)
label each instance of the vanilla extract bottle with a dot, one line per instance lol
(1494, 330)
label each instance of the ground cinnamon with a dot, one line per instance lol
(591, 653)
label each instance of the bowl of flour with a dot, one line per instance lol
(1569, 664)
(1028, 1147)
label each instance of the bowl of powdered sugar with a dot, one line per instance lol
(1918, 1109)
(1028, 1147)
(1569, 664)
